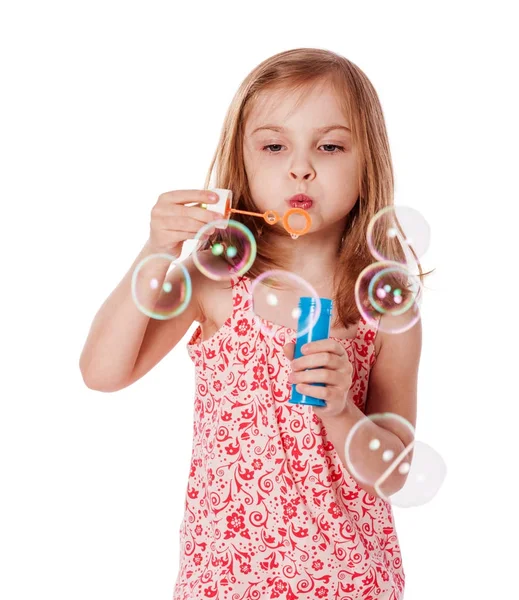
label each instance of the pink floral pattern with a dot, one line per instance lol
(270, 511)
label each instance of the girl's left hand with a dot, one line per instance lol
(336, 373)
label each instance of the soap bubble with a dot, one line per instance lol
(388, 289)
(425, 477)
(275, 301)
(161, 287)
(367, 458)
(231, 253)
(398, 228)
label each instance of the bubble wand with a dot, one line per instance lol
(271, 217)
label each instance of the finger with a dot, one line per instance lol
(189, 212)
(201, 214)
(183, 224)
(170, 239)
(326, 345)
(288, 349)
(323, 393)
(183, 218)
(321, 359)
(187, 196)
(333, 378)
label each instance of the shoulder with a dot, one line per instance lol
(399, 340)
(213, 296)
(400, 332)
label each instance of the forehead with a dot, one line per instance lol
(316, 103)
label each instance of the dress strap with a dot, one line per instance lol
(241, 285)
(241, 296)
(365, 327)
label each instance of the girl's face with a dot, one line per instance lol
(286, 154)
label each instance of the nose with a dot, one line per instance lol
(302, 169)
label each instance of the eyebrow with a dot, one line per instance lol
(325, 129)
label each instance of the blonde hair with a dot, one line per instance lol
(300, 70)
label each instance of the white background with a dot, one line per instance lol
(104, 106)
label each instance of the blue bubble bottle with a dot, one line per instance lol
(319, 331)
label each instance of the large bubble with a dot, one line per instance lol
(398, 230)
(388, 289)
(231, 252)
(161, 287)
(426, 475)
(275, 301)
(366, 457)
(370, 460)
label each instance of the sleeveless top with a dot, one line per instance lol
(270, 510)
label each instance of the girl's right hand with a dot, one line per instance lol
(172, 222)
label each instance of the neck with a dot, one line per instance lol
(312, 256)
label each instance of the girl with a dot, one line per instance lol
(271, 510)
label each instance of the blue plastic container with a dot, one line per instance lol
(319, 331)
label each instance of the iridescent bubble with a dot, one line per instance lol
(161, 287)
(387, 289)
(398, 231)
(368, 459)
(426, 474)
(230, 251)
(419, 467)
(275, 302)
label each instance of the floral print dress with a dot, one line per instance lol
(270, 510)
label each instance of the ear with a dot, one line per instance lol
(288, 349)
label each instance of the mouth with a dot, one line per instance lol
(300, 201)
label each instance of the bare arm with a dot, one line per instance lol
(392, 390)
(123, 343)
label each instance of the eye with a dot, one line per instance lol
(270, 146)
(338, 148)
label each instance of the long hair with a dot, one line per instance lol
(299, 70)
